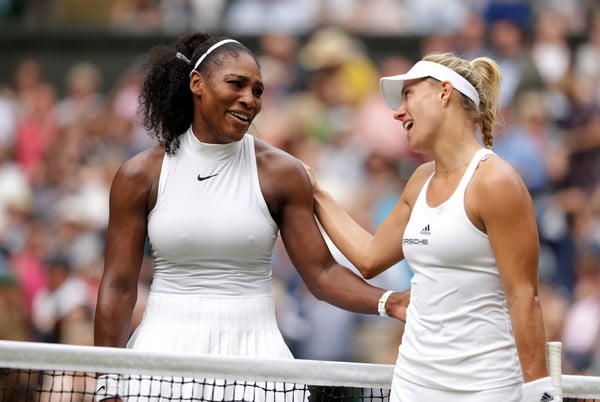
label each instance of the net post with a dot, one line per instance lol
(554, 357)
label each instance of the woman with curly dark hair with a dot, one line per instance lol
(212, 199)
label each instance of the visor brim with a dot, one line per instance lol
(391, 87)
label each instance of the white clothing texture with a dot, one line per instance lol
(211, 231)
(212, 238)
(406, 391)
(458, 334)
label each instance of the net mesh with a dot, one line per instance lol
(56, 373)
(22, 385)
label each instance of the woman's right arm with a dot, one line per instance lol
(125, 241)
(370, 254)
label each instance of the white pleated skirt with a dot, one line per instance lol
(223, 325)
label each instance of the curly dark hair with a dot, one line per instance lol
(166, 107)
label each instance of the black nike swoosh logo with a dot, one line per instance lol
(201, 178)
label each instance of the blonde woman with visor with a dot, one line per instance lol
(465, 224)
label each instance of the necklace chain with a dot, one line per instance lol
(452, 169)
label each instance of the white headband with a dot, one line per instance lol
(210, 50)
(391, 87)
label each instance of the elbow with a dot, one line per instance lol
(320, 296)
(368, 271)
(319, 292)
(367, 274)
(327, 285)
(370, 263)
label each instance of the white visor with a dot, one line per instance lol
(391, 87)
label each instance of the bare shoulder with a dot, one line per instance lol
(136, 181)
(143, 166)
(498, 186)
(283, 179)
(495, 176)
(276, 162)
(497, 194)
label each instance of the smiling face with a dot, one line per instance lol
(227, 99)
(420, 112)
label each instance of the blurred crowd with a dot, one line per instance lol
(257, 17)
(59, 153)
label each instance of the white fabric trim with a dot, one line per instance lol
(391, 87)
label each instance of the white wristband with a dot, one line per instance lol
(381, 305)
(108, 386)
(540, 390)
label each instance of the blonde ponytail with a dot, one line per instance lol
(484, 74)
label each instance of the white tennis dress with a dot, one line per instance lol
(212, 238)
(458, 343)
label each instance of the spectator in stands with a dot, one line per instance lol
(211, 199)
(136, 16)
(14, 320)
(27, 262)
(550, 50)
(465, 224)
(532, 143)
(27, 76)
(339, 66)
(14, 326)
(37, 130)
(257, 17)
(582, 326)
(63, 295)
(384, 17)
(123, 132)
(471, 41)
(83, 101)
(340, 76)
(371, 124)
(179, 16)
(507, 45)
(15, 201)
(586, 61)
(580, 122)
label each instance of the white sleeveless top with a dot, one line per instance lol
(212, 238)
(458, 332)
(211, 232)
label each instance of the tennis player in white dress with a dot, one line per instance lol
(212, 239)
(212, 199)
(465, 224)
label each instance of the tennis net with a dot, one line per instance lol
(38, 372)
